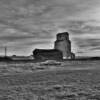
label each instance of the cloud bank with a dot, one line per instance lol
(27, 24)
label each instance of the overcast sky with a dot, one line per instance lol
(29, 24)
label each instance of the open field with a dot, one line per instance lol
(73, 80)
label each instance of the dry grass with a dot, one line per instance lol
(71, 81)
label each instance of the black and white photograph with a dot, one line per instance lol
(49, 49)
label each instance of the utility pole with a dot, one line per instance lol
(5, 51)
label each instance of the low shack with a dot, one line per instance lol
(47, 54)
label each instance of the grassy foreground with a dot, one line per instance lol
(71, 81)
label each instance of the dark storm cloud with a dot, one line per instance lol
(88, 44)
(85, 29)
(81, 27)
(14, 38)
(95, 48)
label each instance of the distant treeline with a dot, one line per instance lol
(77, 59)
(5, 59)
(87, 58)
